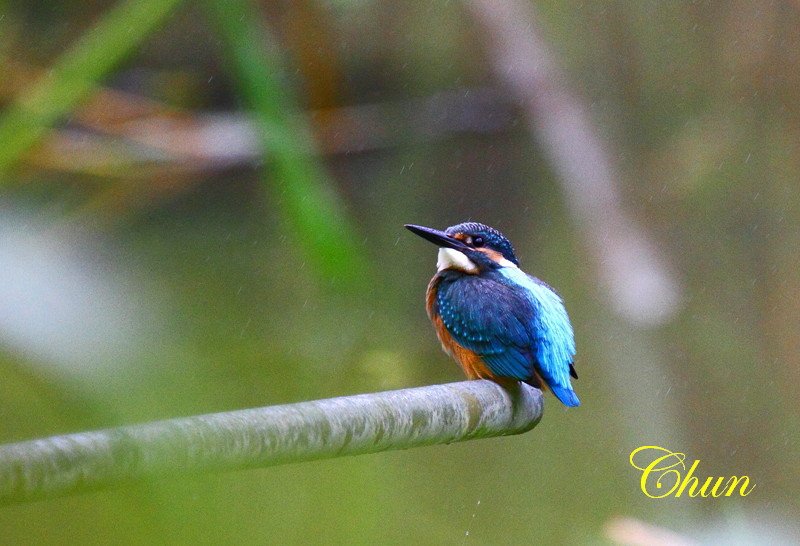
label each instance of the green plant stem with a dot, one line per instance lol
(76, 73)
(303, 191)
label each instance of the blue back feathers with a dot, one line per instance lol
(555, 340)
(516, 323)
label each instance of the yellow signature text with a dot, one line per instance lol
(664, 474)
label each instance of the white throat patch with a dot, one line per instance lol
(450, 258)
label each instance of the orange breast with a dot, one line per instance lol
(470, 361)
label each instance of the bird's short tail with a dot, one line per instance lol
(566, 395)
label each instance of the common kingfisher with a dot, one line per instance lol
(497, 321)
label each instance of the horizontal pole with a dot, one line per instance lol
(261, 437)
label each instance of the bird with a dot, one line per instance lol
(495, 320)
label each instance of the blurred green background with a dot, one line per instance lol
(202, 209)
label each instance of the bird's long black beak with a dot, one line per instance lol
(437, 237)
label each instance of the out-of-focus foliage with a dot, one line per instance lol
(316, 216)
(186, 220)
(75, 73)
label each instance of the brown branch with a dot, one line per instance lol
(633, 270)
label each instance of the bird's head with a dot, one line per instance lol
(469, 247)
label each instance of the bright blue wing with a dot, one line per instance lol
(555, 340)
(514, 322)
(491, 319)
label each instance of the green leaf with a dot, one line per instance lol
(76, 73)
(303, 190)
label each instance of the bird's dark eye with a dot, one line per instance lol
(477, 241)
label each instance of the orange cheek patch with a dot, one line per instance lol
(493, 254)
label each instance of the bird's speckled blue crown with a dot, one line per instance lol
(494, 239)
